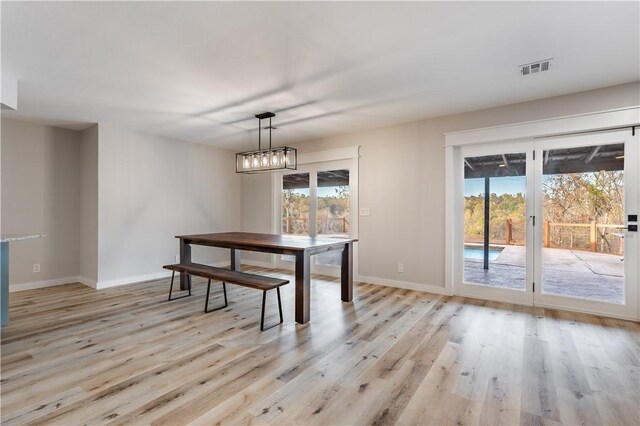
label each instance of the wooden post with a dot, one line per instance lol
(547, 233)
(507, 231)
(592, 236)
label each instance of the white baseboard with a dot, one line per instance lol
(88, 282)
(42, 284)
(427, 288)
(146, 277)
(130, 280)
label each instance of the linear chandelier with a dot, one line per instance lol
(266, 160)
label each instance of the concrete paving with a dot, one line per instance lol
(574, 273)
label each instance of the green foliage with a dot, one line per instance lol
(332, 215)
(578, 198)
(584, 198)
(502, 208)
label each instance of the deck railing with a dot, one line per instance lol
(300, 225)
(598, 238)
(592, 236)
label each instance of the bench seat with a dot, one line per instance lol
(258, 282)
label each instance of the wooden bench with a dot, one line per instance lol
(243, 279)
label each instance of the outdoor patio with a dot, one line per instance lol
(574, 273)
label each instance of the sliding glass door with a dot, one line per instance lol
(495, 250)
(552, 223)
(587, 187)
(316, 200)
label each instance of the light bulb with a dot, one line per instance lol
(245, 162)
(255, 162)
(287, 158)
(274, 158)
(265, 160)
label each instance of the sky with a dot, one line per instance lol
(326, 191)
(499, 185)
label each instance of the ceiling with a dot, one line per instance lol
(200, 71)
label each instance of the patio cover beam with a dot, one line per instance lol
(468, 164)
(553, 166)
(592, 154)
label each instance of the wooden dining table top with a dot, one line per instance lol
(280, 241)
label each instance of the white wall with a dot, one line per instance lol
(111, 201)
(257, 191)
(152, 189)
(40, 194)
(88, 256)
(402, 181)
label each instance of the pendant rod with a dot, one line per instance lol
(259, 134)
(270, 133)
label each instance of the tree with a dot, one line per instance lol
(583, 198)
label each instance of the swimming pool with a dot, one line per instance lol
(477, 252)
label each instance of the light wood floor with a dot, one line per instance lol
(73, 355)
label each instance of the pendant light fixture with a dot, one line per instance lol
(266, 160)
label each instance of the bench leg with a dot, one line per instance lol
(224, 290)
(173, 275)
(206, 300)
(280, 305)
(264, 300)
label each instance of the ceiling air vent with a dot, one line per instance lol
(535, 67)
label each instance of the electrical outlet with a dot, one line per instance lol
(36, 268)
(177, 258)
(400, 267)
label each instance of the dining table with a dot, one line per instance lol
(300, 246)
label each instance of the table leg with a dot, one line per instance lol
(303, 287)
(185, 257)
(235, 260)
(347, 273)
